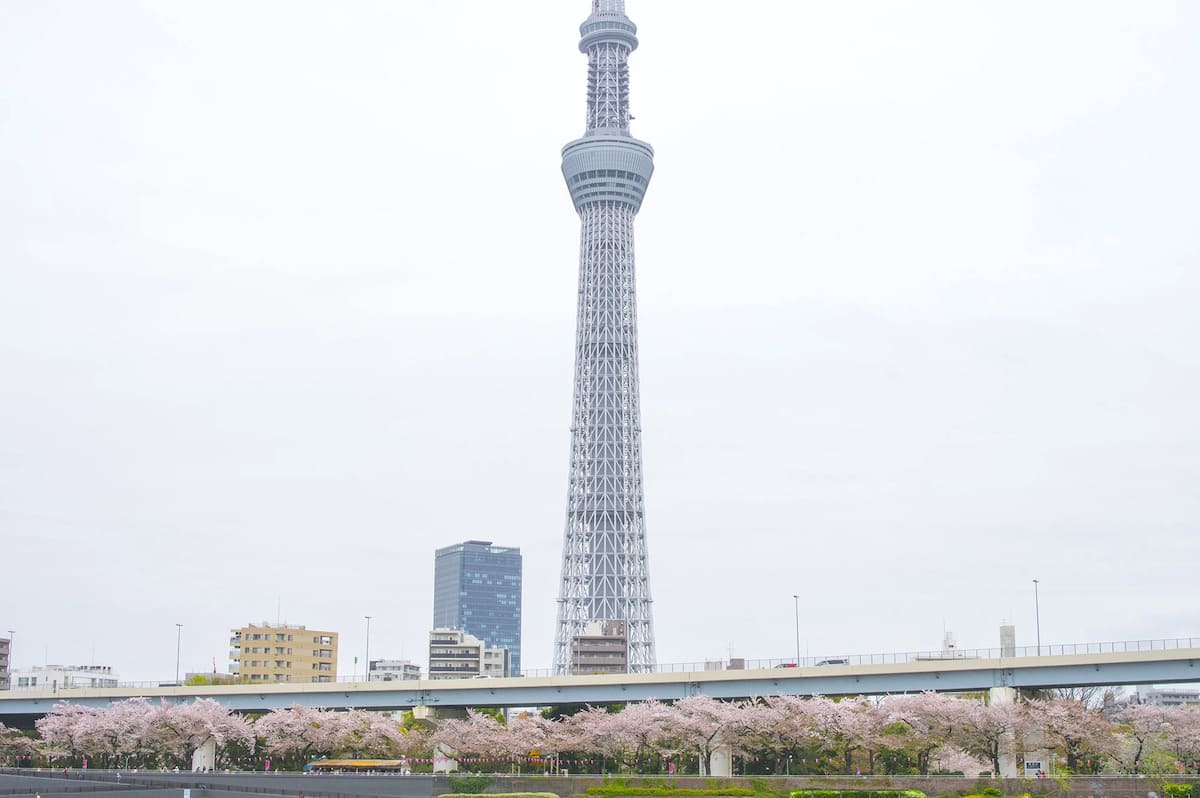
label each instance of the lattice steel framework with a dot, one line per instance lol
(605, 575)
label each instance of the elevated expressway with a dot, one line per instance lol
(942, 675)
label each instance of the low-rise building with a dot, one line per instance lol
(56, 677)
(603, 647)
(5, 650)
(393, 670)
(1168, 697)
(454, 654)
(282, 653)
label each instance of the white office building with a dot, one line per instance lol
(1168, 696)
(62, 677)
(393, 670)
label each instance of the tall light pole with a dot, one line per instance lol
(178, 643)
(1037, 616)
(367, 656)
(796, 598)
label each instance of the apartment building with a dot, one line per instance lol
(602, 648)
(5, 650)
(454, 654)
(282, 653)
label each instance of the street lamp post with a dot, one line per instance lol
(178, 644)
(796, 598)
(1037, 616)
(367, 655)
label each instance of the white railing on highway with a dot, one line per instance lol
(905, 657)
(830, 660)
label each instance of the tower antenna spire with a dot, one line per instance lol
(605, 584)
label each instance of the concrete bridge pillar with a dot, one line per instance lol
(721, 761)
(445, 759)
(1008, 749)
(205, 757)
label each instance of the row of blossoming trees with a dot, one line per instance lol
(901, 734)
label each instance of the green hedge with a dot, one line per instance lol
(987, 792)
(1179, 790)
(617, 790)
(467, 785)
(500, 795)
(857, 794)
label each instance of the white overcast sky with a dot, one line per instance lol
(287, 302)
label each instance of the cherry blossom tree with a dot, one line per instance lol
(636, 736)
(952, 759)
(1143, 729)
(644, 732)
(1081, 735)
(367, 734)
(912, 732)
(175, 731)
(478, 736)
(929, 721)
(1182, 737)
(298, 733)
(527, 734)
(778, 729)
(701, 724)
(986, 731)
(114, 734)
(60, 728)
(417, 743)
(847, 726)
(13, 743)
(591, 732)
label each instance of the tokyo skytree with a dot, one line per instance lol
(605, 576)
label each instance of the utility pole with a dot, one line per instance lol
(178, 644)
(796, 598)
(367, 655)
(1037, 616)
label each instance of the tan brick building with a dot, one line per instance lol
(282, 653)
(5, 647)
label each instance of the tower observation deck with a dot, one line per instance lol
(605, 575)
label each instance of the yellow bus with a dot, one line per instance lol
(357, 766)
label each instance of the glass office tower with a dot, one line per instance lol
(477, 588)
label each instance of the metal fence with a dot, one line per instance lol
(834, 660)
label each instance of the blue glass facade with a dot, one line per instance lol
(477, 588)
